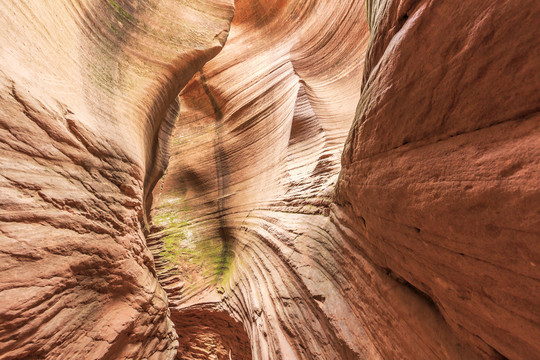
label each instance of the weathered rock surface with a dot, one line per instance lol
(429, 248)
(84, 89)
(264, 130)
(271, 240)
(253, 208)
(441, 170)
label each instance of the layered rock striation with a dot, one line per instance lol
(87, 95)
(264, 130)
(441, 169)
(343, 180)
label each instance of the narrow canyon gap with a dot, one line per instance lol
(279, 179)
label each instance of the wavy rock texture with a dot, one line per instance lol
(247, 218)
(417, 240)
(87, 95)
(255, 148)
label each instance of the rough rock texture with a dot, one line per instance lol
(271, 240)
(207, 331)
(85, 89)
(441, 172)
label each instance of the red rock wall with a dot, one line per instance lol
(255, 157)
(266, 238)
(441, 169)
(419, 252)
(84, 89)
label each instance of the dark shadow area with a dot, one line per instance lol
(208, 332)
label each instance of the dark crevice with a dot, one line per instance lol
(208, 329)
(498, 355)
(404, 17)
(429, 300)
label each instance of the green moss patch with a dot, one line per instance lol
(191, 247)
(120, 10)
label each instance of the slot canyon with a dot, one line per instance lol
(269, 179)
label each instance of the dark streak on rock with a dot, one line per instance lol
(222, 174)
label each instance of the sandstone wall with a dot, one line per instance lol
(347, 179)
(85, 87)
(428, 246)
(441, 169)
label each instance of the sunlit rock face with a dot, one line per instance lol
(87, 94)
(347, 179)
(242, 210)
(258, 126)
